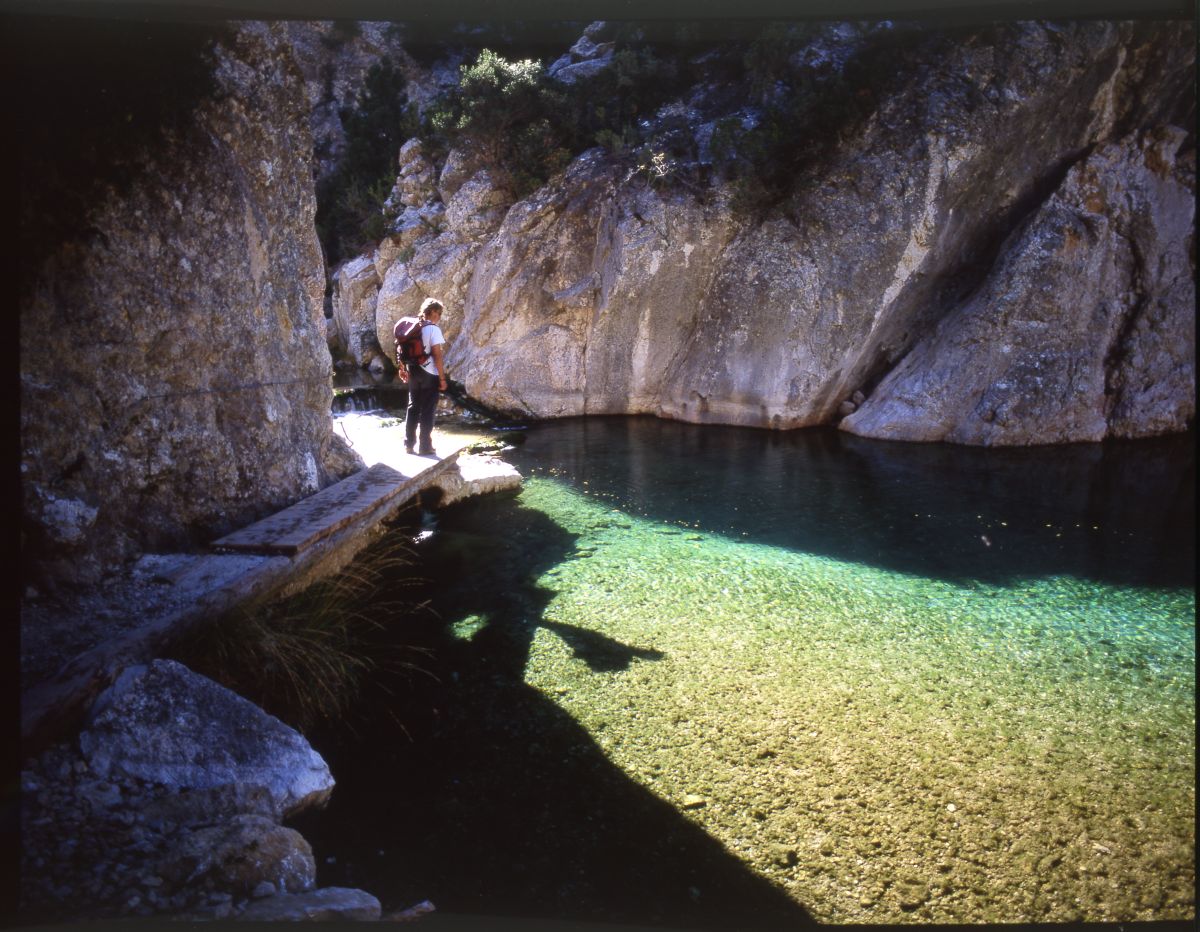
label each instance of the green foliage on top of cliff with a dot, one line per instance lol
(772, 118)
(350, 201)
(96, 97)
(800, 113)
(505, 111)
(529, 126)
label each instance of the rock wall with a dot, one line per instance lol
(334, 58)
(1085, 328)
(889, 284)
(175, 379)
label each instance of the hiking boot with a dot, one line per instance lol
(408, 447)
(427, 451)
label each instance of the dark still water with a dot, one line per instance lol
(715, 677)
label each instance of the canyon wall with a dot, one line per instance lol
(1003, 253)
(174, 373)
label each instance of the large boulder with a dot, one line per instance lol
(1085, 328)
(117, 845)
(166, 725)
(175, 375)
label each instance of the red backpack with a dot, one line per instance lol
(410, 347)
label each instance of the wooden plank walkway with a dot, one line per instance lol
(281, 553)
(296, 528)
(316, 535)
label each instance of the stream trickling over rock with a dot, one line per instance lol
(695, 675)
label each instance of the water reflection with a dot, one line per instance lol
(1119, 512)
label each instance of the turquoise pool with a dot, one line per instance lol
(802, 676)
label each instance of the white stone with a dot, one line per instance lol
(167, 725)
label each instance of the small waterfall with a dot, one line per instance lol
(392, 399)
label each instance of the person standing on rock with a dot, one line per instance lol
(425, 381)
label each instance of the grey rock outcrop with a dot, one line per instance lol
(604, 293)
(175, 375)
(416, 183)
(1083, 330)
(457, 168)
(440, 267)
(355, 289)
(478, 205)
(585, 280)
(590, 55)
(164, 724)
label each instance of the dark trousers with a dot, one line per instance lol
(422, 402)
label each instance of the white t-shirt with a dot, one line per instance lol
(431, 336)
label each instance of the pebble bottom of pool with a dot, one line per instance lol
(895, 683)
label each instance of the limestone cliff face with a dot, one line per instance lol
(1000, 254)
(1085, 328)
(175, 381)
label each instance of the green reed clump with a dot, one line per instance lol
(310, 657)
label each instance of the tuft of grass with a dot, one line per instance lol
(310, 658)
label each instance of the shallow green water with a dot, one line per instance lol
(897, 683)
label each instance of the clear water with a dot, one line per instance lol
(696, 675)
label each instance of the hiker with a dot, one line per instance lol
(425, 374)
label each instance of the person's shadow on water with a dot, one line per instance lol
(600, 652)
(479, 793)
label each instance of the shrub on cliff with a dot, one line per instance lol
(350, 201)
(530, 125)
(608, 106)
(508, 113)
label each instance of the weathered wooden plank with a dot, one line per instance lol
(300, 526)
(217, 584)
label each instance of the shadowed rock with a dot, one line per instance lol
(167, 725)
